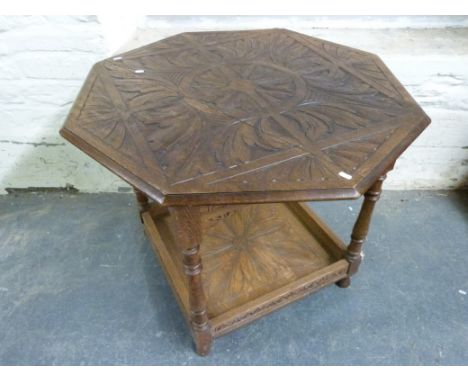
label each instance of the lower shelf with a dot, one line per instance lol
(256, 258)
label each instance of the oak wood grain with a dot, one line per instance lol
(244, 117)
(248, 252)
(187, 227)
(211, 128)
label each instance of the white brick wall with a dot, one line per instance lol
(44, 61)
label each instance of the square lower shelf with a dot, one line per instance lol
(256, 258)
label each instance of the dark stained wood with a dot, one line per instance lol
(256, 258)
(142, 199)
(221, 134)
(251, 249)
(278, 298)
(187, 225)
(164, 248)
(244, 117)
(321, 232)
(361, 228)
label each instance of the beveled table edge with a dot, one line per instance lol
(248, 197)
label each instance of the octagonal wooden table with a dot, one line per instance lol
(222, 135)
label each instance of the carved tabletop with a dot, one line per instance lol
(245, 116)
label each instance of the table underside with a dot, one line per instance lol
(256, 258)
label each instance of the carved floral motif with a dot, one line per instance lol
(204, 103)
(251, 248)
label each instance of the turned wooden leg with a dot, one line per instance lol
(187, 226)
(360, 230)
(142, 199)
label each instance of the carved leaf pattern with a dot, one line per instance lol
(249, 249)
(207, 102)
(362, 62)
(348, 154)
(101, 119)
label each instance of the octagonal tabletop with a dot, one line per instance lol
(244, 116)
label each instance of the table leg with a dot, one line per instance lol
(143, 201)
(361, 228)
(187, 221)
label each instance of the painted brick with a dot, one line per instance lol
(44, 60)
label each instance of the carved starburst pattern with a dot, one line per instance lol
(244, 111)
(253, 248)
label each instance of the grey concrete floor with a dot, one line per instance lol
(79, 285)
